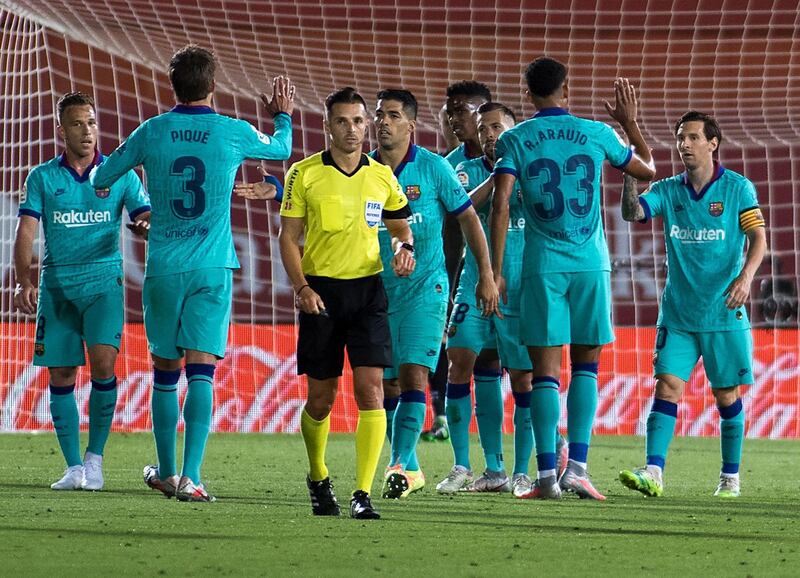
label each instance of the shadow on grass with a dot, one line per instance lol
(571, 529)
(71, 532)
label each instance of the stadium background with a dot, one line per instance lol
(734, 58)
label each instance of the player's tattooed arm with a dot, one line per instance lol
(631, 207)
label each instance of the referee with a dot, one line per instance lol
(337, 199)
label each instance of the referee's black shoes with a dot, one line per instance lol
(361, 507)
(323, 500)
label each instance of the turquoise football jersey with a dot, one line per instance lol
(557, 160)
(433, 190)
(458, 155)
(190, 156)
(705, 247)
(472, 173)
(81, 226)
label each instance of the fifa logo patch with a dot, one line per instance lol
(38, 349)
(451, 331)
(715, 209)
(463, 178)
(373, 211)
(102, 193)
(412, 192)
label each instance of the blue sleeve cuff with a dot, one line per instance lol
(136, 212)
(624, 163)
(648, 214)
(29, 213)
(462, 208)
(505, 171)
(273, 180)
(286, 114)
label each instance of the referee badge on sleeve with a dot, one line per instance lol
(372, 212)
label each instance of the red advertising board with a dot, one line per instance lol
(257, 389)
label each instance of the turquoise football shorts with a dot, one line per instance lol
(727, 355)
(190, 310)
(417, 330)
(563, 308)
(469, 329)
(62, 326)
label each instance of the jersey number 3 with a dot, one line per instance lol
(553, 203)
(192, 201)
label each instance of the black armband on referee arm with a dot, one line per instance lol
(403, 213)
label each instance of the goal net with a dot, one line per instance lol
(737, 59)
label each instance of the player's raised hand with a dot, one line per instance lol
(308, 301)
(625, 106)
(738, 292)
(282, 96)
(255, 191)
(487, 297)
(25, 297)
(261, 191)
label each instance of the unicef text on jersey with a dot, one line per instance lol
(192, 231)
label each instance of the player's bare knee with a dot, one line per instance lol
(546, 361)
(521, 380)
(585, 353)
(62, 376)
(669, 388)
(200, 357)
(488, 360)
(102, 359)
(103, 368)
(460, 362)
(413, 377)
(391, 388)
(726, 396)
(164, 364)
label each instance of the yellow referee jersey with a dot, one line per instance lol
(341, 213)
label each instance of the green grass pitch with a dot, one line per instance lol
(262, 523)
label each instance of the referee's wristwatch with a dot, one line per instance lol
(407, 246)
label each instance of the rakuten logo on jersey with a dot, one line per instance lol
(688, 235)
(72, 219)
